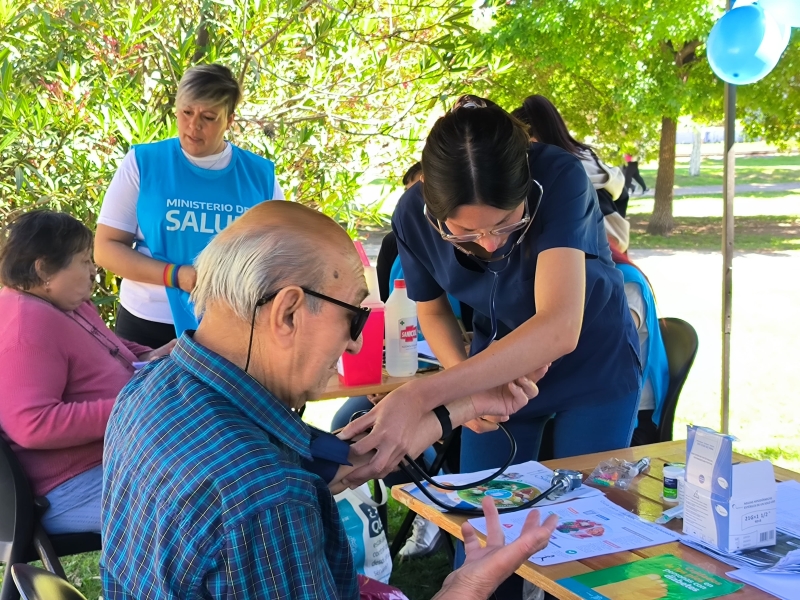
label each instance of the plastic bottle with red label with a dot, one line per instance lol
(401, 332)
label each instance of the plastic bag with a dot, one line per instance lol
(531, 591)
(362, 524)
(370, 589)
(618, 473)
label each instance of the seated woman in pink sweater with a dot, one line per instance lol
(61, 368)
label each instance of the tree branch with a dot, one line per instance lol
(686, 55)
(271, 39)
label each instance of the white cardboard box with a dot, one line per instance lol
(732, 507)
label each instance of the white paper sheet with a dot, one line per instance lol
(518, 484)
(587, 527)
(789, 507)
(781, 586)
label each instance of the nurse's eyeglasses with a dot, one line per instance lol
(467, 243)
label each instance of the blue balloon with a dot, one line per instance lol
(745, 45)
(783, 11)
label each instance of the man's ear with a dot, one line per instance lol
(285, 314)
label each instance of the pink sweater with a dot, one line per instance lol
(57, 386)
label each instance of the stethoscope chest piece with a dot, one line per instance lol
(565, 481)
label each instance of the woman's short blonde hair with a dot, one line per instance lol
(210, 84)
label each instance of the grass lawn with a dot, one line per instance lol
(753, 234)
(749, 169)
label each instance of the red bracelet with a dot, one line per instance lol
(171, 275)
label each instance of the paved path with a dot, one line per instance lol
(717, 189)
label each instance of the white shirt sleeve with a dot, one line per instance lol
(122, 196)
(277, 192)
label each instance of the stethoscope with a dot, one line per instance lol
(563, 481)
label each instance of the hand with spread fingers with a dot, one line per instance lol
(488, 566)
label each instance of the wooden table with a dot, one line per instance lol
(644, 499)
(336, 389)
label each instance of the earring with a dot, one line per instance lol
(47, 285)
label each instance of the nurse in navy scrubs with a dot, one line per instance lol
(514, 230)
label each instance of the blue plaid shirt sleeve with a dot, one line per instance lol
(276, 554)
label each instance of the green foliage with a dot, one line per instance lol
(613, 69)
(771, 107)
(622, 73)
(330, 89)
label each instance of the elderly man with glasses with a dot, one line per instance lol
(213, 486)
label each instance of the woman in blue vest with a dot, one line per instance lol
(169, 198)
(642, 304)
(512, 229)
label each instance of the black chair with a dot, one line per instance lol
(22, 538)
(680, 341)
(37, 584)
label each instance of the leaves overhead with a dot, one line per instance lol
(613, 69)
(331, 87)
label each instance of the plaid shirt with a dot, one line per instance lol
(204, 496)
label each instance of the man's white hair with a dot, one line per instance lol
(240, 269)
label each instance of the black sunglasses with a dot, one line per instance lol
(357, 323)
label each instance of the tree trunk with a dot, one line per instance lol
(696, 159)
(661, 222)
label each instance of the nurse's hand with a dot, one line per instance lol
(496, 405)
(400, 427)
(484, 424)
(504, 400)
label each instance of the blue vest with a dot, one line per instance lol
(182, 207)
(656, 369)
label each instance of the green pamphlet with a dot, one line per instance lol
(660, 578)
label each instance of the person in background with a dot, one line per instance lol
(546, 125)
(631, 173)
(236, 512)
(413, 175)
(642, 304)
(61, 368)
(165, 204)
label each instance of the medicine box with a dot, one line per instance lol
(731, 507)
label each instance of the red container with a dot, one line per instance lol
(366, 367)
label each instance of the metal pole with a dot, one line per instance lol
(728, 192)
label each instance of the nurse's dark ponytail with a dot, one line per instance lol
(475, 154)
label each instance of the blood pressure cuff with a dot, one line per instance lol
(328, 453)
